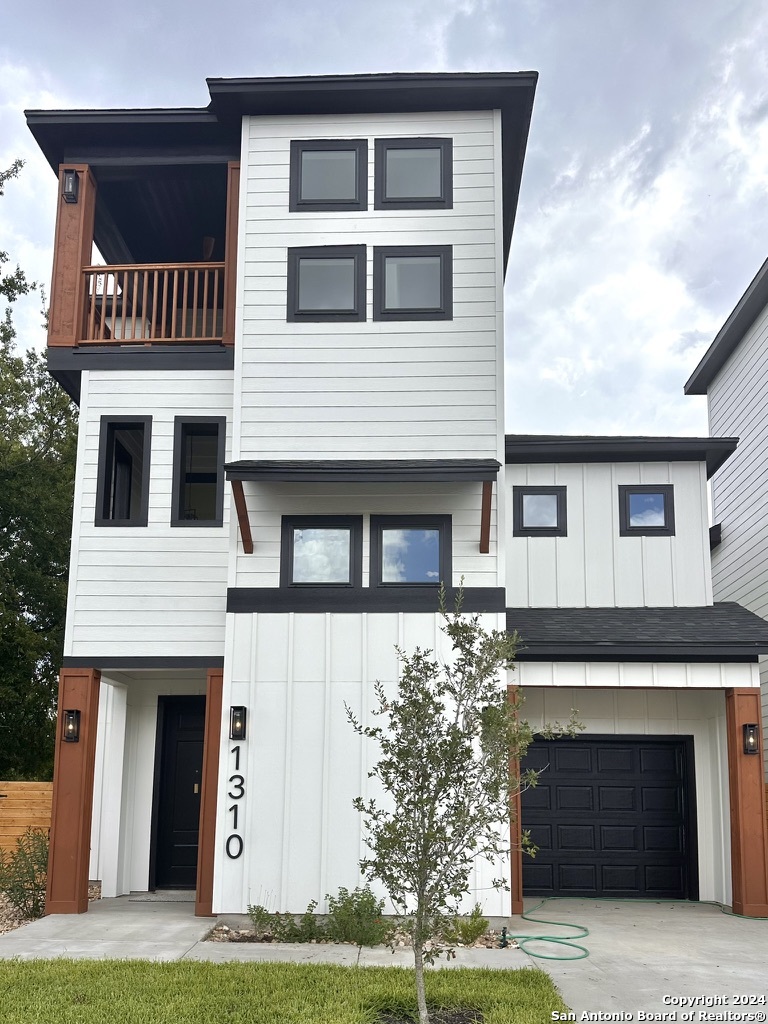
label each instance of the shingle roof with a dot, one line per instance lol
(720, 632)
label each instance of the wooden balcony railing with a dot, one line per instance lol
(146, 303)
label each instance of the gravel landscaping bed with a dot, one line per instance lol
(9, 918)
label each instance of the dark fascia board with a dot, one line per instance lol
(639, 652)
(111, 661)
(365, 470)
(65, 364)
(511, 92)
(529, 448)
(319, 599)
(744, 314)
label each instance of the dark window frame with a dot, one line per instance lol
(442, 522)
(297, 253)
(518, 527)
(107, 426)
(383, 252)
(299, 146)
(179, 424)
(442, 202)
(668, 530)
(355, 526)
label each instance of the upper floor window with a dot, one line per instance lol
(198, 477)
(646, 510)
(413, 282)
(326, 283)
(122, 487)
(329, 174)
(321, 550)
(539, 512)
(411, 550)
(413, 174)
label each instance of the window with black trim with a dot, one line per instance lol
(646, 510)
(326, 283)
(198, 470)
(321, 551)
(413, 174)
(122, 488)
(413, 282)
(539, 512)
(328, 174)
(411, 550)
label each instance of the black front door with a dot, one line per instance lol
(182, 725)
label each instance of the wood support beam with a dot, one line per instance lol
(749, 830)
(206, 854)
(70, 842)
(230, 252)
(242, 516)
(71, 252)
(485, 517)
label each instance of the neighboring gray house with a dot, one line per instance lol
(733, 374)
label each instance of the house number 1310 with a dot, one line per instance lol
(236, 792)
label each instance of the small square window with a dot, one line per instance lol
(413, 174)
(411, 550)
(413, 282)
(646, 510)
(198, 478)
(329, 174)
(321, 551)
(326, 283)
(539, 512)
(122, 488)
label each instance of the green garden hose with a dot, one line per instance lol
(558, 940)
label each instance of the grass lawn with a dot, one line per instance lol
(135, 992)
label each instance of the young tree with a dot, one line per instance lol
(37, 459)
(448, 753)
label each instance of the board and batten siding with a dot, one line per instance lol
(594, 567)
(302, 762)
(157, 589)
(738, 407)
(428, 389)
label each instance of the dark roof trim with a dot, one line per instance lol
(365, 470)
(528, 448)
(246, 600)
(746, 311)
(112, 661)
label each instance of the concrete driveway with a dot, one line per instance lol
(644, 958)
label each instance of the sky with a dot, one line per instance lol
(643, 211)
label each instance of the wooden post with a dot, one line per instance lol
(70, 846)
(206, 851)
(749, 831)
(230, 252)
(71, 252)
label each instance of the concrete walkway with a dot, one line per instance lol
(642, 956)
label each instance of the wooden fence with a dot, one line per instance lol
(23, 805)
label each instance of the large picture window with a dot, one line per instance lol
(413, 282)
(413, 174)
(326, 283)
(198, 477)
(122, 489)
(321, 551)
(329, 174)
(411, 550)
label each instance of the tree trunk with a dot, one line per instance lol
(421, 999)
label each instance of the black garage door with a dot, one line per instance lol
(611, 816)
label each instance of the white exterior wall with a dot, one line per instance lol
(302, 762)
(661, 712)
(425, 389)
(738, 407)
(155, 589)
(593, 566)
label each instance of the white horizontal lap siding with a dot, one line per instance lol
(595, 567)
(267, 503)
(156, 590)
(738, 407)
(394, 389)
(302, 763)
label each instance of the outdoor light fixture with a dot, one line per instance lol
(237, 723)
(71, 729)
(751, 738)
(70, 187)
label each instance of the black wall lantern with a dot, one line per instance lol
(71, 728)
(70, 186)
(237, 723)
(751, 738)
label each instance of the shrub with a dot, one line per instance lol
(356, 917)
(23, 873)
(467, 930)
(285, 927)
